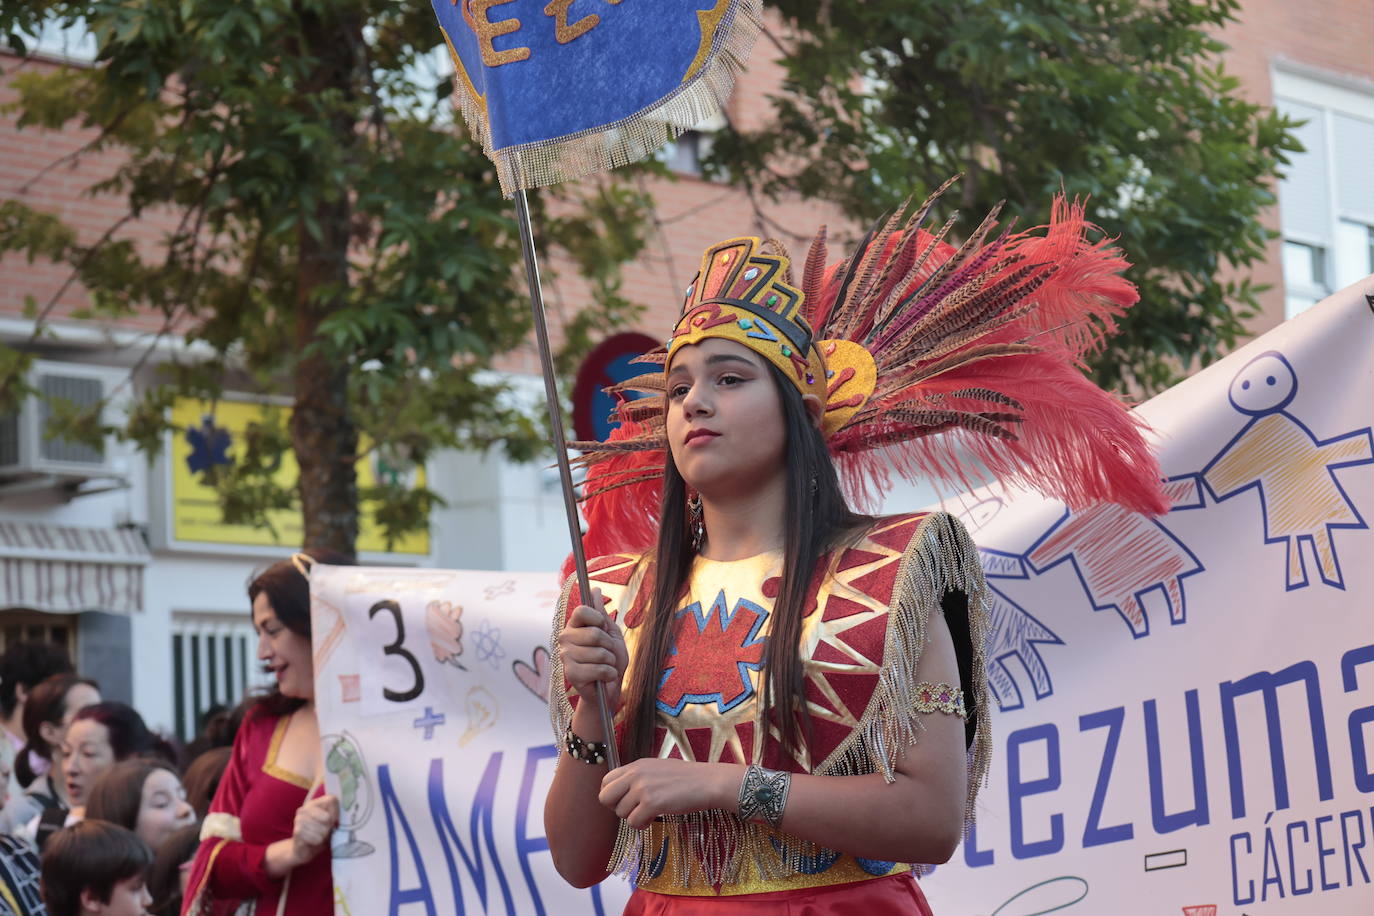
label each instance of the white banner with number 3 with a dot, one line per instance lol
(431, 687)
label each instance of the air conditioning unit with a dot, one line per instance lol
(28, 453)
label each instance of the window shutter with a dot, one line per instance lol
(1305, 191)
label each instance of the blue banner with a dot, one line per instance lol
(555, 89)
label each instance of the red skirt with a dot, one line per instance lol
(898, 894)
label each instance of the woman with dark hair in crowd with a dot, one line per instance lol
(99, 737)
(48, 713)
(266, 837)
(143, 795)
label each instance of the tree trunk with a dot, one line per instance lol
(323, 433)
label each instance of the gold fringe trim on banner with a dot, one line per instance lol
(703, 92)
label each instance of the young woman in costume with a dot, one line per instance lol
(799, 690)
(265, 840)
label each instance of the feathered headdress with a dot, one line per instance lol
(927, 356)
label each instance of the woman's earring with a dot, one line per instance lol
(695, 524)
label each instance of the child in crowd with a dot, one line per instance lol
(96, 868)
(144, 796)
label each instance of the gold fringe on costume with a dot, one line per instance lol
(714, 847)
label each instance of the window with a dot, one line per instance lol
(1326, 198)
(1354, 249)
(37, 626)
(214, 663)
(685, 154)
(1304, 276)
(73, 42)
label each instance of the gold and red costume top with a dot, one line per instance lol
(861, 642)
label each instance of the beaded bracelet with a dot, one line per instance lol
(589, 752)
(940, 698)
(763, 795)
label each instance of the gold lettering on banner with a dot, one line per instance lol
(565, 33)
(476, 12)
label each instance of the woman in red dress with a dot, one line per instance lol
(265, 840)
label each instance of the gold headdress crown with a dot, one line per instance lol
(744, 292)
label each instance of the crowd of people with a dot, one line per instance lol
(101, 815)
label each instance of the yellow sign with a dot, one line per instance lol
(210, 434)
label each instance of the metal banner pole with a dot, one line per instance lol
(541, 334)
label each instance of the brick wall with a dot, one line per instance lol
(37, 169)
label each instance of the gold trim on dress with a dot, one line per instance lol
(269, 764)
(196, 894)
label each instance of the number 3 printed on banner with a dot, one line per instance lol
(397, 649)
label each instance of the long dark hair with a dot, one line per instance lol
(288, 591)
(46, 703)
(815, 518)
(164, 878)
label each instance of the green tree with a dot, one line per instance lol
(337, 240)
(1123, 101)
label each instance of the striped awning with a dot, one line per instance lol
(66, 569)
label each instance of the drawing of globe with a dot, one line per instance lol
(344, 759)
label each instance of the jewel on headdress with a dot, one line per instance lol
(772, 300)
(746, 323)
(751, 273)
(786, 351)
(725, 258)
(830, 373)
(810, 379)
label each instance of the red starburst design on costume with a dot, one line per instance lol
(712, 655)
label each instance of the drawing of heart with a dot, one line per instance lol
(535, 677)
